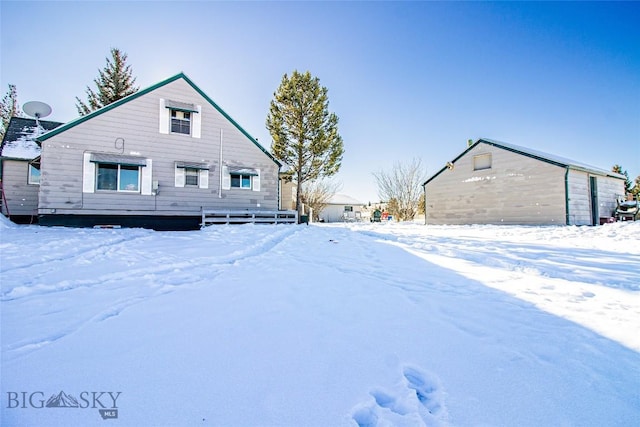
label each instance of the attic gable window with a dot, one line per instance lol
(180, 118)
(481, 162)
(180, 122)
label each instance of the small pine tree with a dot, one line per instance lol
(114, 82)
(627, 182)
(636, 189)
(9, 108)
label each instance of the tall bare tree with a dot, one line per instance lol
(401, 187)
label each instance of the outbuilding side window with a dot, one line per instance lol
(482, 161)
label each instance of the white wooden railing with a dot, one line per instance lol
(247, 216)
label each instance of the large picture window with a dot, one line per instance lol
(109, 172)
(116, 177)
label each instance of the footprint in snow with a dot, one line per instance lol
(416, 400)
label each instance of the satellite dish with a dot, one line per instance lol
(36, 109)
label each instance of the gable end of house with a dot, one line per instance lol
(145, 91)
(553, 160)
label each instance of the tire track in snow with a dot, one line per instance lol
(164, 282)
(258, 248)
(86, 252)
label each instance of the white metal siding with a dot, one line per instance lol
(580, 196)
(22, 197)
(137, 123)
(516, 190)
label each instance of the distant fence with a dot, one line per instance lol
(246, 216)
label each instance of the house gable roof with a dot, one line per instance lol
(343, 199)
(538, 155)
(142, 92)
(19, 141)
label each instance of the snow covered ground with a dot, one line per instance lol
(321, 325)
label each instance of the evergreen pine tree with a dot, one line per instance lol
(627, 182)
(636, 189)
(305, 134)
(9, 108)
(114, 82)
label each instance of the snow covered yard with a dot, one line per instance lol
(359, 324)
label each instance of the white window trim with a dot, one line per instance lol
(164, 125)
(118, 190)
(89, 178)
(191, 172)
(30, 181)
(146, 179)
(481, 158)
(181, 120)
(180, 178)
(254, 180)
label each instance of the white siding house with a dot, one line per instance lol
(20, 168)
(154, 159)
(493, 182)
(342, 208)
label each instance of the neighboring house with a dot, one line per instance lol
(20, 168)
(341, 208)
(154, 159)
(288, 189)
(494, 182)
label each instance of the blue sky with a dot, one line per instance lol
(406, 79)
